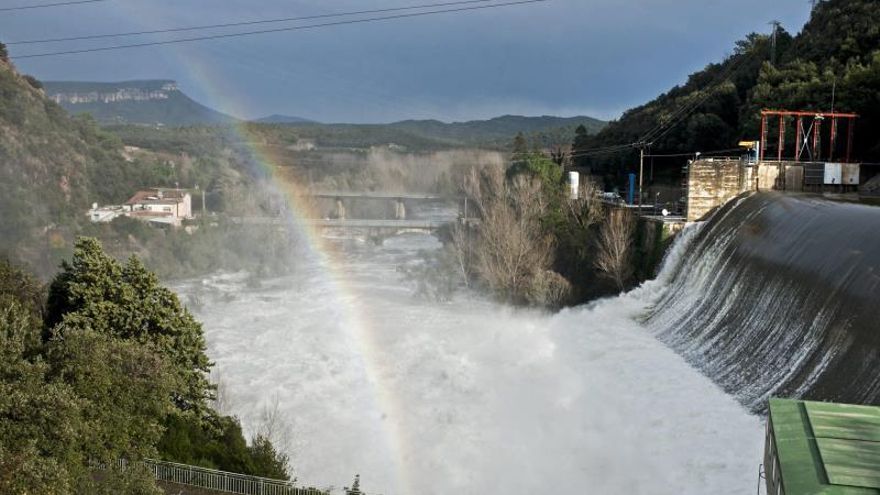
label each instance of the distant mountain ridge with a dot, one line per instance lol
(161, 101)
(498, 128)
(284, 119)
(151, 102)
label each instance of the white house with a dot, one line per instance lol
(160, 206)
(105, 214)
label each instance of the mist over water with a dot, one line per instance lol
(470, 396)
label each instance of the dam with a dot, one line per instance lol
(777, 296)
(773, 295)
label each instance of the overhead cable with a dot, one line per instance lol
(279, 30)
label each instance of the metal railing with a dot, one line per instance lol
(222, 481)
(218, 481)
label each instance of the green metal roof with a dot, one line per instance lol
(827, 449)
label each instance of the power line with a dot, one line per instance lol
(278, 30)
(243, 23)
(686, 110)
(604, 150)
(700, 153)
(678, 116)
(46, 5)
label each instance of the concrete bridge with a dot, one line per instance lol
(399, 199)
(377, 195)
(375, 229)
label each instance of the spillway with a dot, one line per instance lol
(779, 295)
(474, 397)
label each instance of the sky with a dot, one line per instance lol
(557, 57)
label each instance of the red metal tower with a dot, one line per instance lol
(808, 134)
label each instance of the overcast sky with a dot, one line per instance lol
(559, 57)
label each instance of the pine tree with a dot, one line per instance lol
(95, 292)
(355, 487)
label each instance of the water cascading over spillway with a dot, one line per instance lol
(780, 296)
(469, 396)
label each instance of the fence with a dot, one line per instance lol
(219, 481)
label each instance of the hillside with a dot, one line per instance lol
(151, 102)
(416, 135)
(133, 102)
(283, 119)
(497, 129)
(836, 56)
(50, 165)
(54, 166)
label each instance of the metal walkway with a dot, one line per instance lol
(355, 223)
(378, 195)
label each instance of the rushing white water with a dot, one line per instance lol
(471, 397)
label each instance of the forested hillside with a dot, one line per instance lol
(836, 56)
(51, 167)
(54, 166)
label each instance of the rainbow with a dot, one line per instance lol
(359, 330)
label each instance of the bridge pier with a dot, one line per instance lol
(340, 209)
(399, 210)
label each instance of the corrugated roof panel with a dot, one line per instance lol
(849, 470)
(844, 421)
(851, 462)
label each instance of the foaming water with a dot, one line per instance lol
(779, 298)
(479, 398)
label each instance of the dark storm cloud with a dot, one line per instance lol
(565, 57)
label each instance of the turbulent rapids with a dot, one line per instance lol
(649, 392)
(780, 296)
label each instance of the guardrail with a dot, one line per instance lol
(218, 481)
(221, 481)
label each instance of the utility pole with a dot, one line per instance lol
(641, 173)
(773, 38)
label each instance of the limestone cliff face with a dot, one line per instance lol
(119, 94)
(149, 102)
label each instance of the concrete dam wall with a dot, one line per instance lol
(778, 296)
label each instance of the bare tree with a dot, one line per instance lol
(221, 402)
(588, 209)
(558, 143)
(274, 424)
(462, 249)
(512, 248)
(614, 256)
(272, 434)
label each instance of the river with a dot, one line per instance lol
(468, 396)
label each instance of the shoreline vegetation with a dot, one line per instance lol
(106, 364)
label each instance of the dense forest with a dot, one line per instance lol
(833, 62)
(106, 365)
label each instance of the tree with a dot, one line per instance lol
(268, 461)
(123, 388)
(512, 246)
(39, 420)
(68, 403)
(355, 487)
(520, 146)
(614, 257)
(94, 292)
